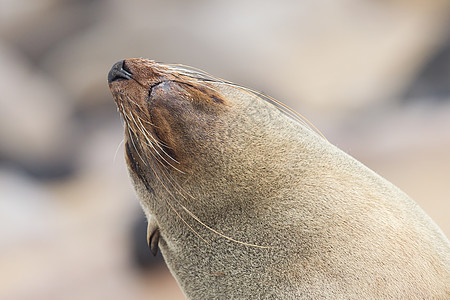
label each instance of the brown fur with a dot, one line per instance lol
(250, 203)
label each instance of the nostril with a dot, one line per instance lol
(119, 71)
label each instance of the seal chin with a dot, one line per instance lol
(119, 71)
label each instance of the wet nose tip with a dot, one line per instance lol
(119, 71)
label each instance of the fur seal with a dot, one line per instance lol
(246, 201)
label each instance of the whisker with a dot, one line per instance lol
(135, 148)
(204, 76)
(146, 135)
(117, 150)
(139, 134)
(173, 208)
(202, 223)
(157, 143)
(150, 144)
(222, 235)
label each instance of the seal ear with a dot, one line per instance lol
(153, 236)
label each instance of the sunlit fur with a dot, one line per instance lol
(252, 203)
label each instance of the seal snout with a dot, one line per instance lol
(119, 71)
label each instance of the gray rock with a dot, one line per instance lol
(35, 117)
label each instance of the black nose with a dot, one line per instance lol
(119, 71)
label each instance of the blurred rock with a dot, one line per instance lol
(432, 83)
(34, 29)
(28, 216)
(36, 119)
(13, 13)
(25, 206)
(333, 57)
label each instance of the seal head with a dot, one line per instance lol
(247, 201)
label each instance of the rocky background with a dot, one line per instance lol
(374, 76)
